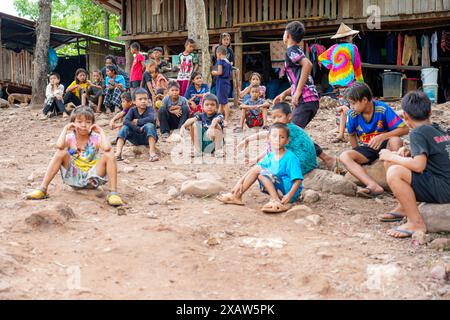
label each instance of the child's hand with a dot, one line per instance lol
(285, 200)
(376, 142)
(404, 152)
(183, 131)
(95, 128)
(70, 126)
(251, 162)
(278, 99)
(112, 125)
(296, 98)
(386, 155)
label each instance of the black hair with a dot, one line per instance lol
(136, 46)
(139, 91)
(160, 91)
(297, 30)
(222, 36)
(211, 97)
(283, 107)
(281, 126)
(194, 75)
(257, 75)
(158, 49)
(153, 62)
(358, 91)
(79, 111)
(189, 40)
(112, 68)
(417, 105)
(78, 72)
(173, 84)
(56, 75)
(254, 86)
(222, 50)
(112, 58)
(126, 96)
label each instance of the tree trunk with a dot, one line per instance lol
(197, 30)
(41, 53)
(128, 57)
(106, 24)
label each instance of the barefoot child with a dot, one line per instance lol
(207, 128)
(127, 103)
(426, 176)
(78, 158)
(255, 79)
(195, 93)
(279, 175)
(54, 102)
(305, 98)
(372, 126)
(253, 111)
(174, 111)
(223, 84)
(139, 126)
(299, 141)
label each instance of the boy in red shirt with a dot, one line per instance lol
(138, 67)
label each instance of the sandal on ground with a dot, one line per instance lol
(119, 158)
(153, 158)
(238, 130)
(37, 194)
(338, 140)
(114, 199)
(392, 217)
(228, 198)
(405, 233)
(275, 207)
(367, 193)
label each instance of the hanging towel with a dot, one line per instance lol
(156, 7)
(344, 63)
(278, 55)
(434, 47)
(400, 50)
(425, 42)
(410, 51)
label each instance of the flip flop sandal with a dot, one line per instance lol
(407, 233)
(37, 194)
(228, 199)
(274, 207)
(396, 217)
(154, 158)
(338, 140)
(114, 199)
(368, 195)
(119, 158)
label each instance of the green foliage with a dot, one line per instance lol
(78, 15)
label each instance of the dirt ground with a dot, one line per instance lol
(182, 247)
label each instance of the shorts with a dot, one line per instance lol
(135, 84)
(278, 183)
(138, 139)
(254, 118)
(76, 178)
(208, 146)
(430, 188)
(304, 113)
(371, 154)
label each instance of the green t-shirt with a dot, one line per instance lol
(303, 147)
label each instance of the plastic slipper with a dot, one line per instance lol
(396, 217)
(114, 199)
(274, 207)
(37, 194)
(119, 158)
(369, 195)
(154, 158)
(229, 199)
(407, 233)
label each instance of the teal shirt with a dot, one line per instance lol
(303, 147)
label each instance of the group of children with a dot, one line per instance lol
(375, 131)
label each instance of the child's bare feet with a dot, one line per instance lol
(230, 198)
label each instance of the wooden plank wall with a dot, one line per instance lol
(17, 67)
(396, 7)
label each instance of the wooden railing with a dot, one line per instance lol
(138, 17)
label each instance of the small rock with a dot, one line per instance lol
(157, 181)
(421, 237)
(275, 243)
(151, 215)
(31, 177)
(439, 272)
(299, 211)
(126, 161)
(314, 219)
(128, 169)
(4, 286)
(202, 188)
(121, 211)
(213, 241)
(310, 196)
(324, 254)
(440, 244)
(172, 192)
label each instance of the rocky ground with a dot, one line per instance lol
(169, 245)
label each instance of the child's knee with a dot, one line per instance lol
(394, 173)
(346, 156)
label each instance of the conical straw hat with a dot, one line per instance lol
(344, 31)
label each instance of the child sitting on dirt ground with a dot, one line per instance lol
(195, 93)
(299, 141)
(95, 91)
(279, 175)
(253, 111)
(426, 176)
(207, 128)
(127, 103)
(54, 103)
(139, 126)
(174, 111)
(78, 158)
(372, 126)
(255, 79)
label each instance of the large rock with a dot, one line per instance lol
(436, 217)
(376, 171)
(202, 188)
(58, 214)
(3, 103)
(327, 181)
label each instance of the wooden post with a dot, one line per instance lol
(128, 57)
(237, 75)
(1, 55)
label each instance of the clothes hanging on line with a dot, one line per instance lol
(410, 52)
(400, 49)
(445, 41)
(390, 38)
(278, 56)
(425, 43)
(434, 47)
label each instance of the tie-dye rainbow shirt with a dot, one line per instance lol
(344, 63)
(85, 159)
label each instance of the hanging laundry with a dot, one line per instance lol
(434, 47)
(344, 62)
(400, 49)
(315, 51)
(410, 51)
(425, 43)
(390, 38)
(445, 41)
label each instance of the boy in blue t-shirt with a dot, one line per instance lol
(253, 111)
(372, 126)
(279, 175)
